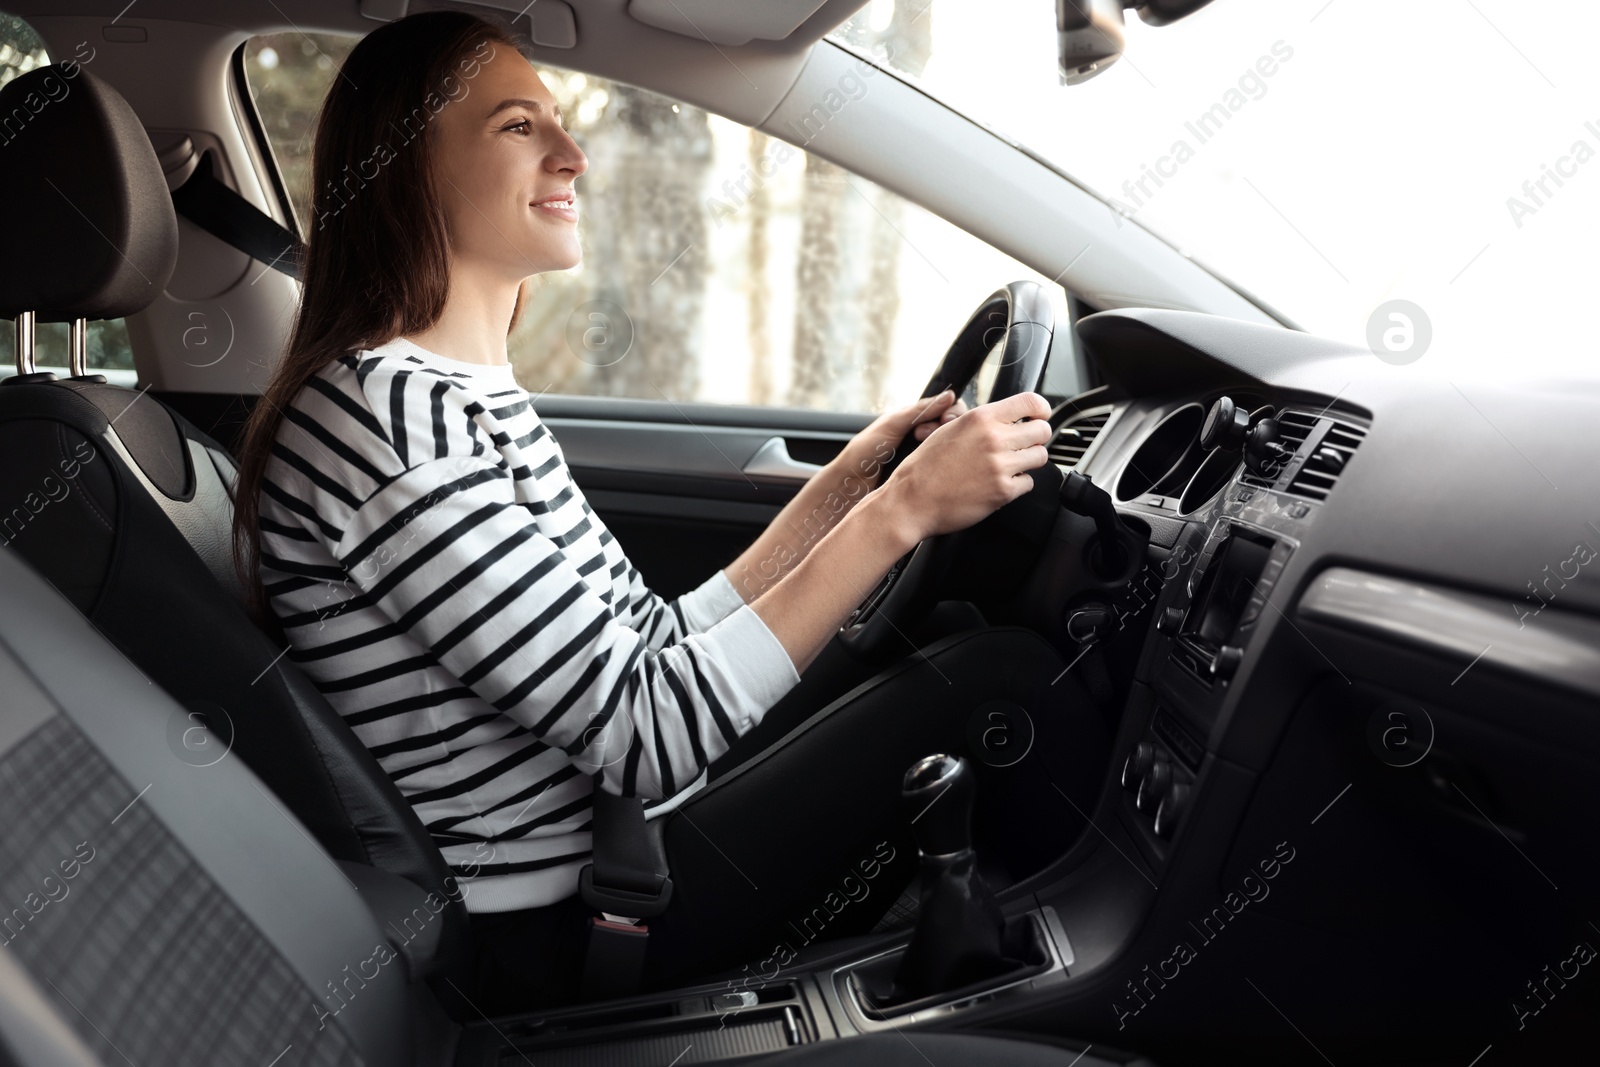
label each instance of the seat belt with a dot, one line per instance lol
(627, 879)
(208, 203)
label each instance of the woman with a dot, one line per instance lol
(413, 527)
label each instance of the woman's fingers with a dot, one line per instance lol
(1024, 459)
(1019, 405)
(926, 410)
(1024, 434)
(932, 419)
(930, 407)
(930, 413)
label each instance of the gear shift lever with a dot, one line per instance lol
(961, 936)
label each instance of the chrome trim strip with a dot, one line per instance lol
(1544, 644)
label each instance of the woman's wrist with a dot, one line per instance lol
(886, 513)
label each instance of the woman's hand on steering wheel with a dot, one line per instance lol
(866, 453)
(973, 465)
(922, 429)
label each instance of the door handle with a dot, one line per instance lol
(772, 460)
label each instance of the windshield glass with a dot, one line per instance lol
(1331, 157)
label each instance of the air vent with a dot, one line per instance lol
(1327, 460)
(1315, 467)
(1067, 449)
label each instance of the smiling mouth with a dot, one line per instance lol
(561, 209)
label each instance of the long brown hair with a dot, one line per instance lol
(377, 262)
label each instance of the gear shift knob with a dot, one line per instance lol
(937, 796)
(961, 935)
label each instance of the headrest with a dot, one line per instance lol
(90, 230)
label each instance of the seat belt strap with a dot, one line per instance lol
(208, 203)
(627, 877)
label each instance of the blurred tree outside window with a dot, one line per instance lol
(108, 348)
(719, 264)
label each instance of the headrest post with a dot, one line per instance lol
(25, 337)
(77, 356)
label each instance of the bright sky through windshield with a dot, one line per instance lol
(1331, 155)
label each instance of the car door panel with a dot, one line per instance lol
(686, 487)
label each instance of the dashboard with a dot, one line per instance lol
(1316, 514)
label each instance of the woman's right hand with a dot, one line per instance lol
(971, 466)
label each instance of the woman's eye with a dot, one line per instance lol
(523, 125)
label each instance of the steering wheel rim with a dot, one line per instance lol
(1021, 315)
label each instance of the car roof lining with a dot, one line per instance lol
(743, 82)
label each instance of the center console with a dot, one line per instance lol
(1218, 580)
(963, 951)
(742, 1017)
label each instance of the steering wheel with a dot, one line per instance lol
(1007, 339)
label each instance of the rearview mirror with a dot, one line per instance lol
(1163, 12)
(1089, 32)
(1089, 36)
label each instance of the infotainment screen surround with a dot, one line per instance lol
(1226, 588)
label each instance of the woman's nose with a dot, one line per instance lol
(569, 157)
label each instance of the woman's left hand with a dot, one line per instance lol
(866, 453)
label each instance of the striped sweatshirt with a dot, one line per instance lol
(444, 582)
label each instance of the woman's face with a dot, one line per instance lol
(505, 169)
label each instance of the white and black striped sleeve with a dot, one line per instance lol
(663, 622)
(447, 552)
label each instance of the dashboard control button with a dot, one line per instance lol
(1227, 661)
(1138, 762)
(1171, 809)
(1154, 786)
(1170, 620)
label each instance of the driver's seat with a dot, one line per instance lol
(127, 508)
(187, 923)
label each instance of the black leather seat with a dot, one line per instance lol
(126, 507)
(163, 913)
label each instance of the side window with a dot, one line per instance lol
(108, 350)
(289, 74)
(719, 264)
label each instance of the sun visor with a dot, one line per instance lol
(720, 22)
(548, 23)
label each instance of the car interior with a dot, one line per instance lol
(1268, 715)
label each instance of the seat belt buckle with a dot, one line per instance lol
(629, 902)
(613, 963)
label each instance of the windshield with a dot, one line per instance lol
(1331, 157)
